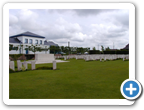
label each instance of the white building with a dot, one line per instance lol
(26, 39)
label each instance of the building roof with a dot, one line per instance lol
(50, 43)
(14, 40)
(30, 34)
(126, 47)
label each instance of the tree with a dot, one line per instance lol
(55, 49)
(11, 47)
(80, 50)
(46, 49)
(107, 49)
(66, 50)
(34, 48)
(102, 48)
(94, 48)
(62, 48)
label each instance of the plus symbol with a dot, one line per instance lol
(131, 89)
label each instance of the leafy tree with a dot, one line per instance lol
(34, 48)
(46, 49)
(107, 49)
(11, 47)
(55, 49)
(94, 48)
(62, 48)
(80, 50)
(66, 50)
(102, 48)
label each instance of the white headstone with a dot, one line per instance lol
(11, 65)
(87, 58)
(25, 64)
(19, 65)
(33, 65)
(105, 58)
(64, 57)
(54, 65)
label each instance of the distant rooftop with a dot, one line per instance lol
(14, 40)
(30, 34)
(126, 47)
(50, 43)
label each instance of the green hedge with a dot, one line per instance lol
(94, 52)
(117, 52)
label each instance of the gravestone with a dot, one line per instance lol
(11, 65)
(33, 65)
(65, 58)
(54, 65)
(19, 65)
(87, 58)
(105, 58)
(25, 64)
(100, 59)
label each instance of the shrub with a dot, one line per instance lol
(94, 52)
(44, 68)
(23, 68)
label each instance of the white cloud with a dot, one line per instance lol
(83, 28)
(12, 19)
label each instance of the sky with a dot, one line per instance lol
(81, 27)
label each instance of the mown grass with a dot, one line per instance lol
(76, 79)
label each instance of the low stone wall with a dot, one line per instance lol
(44, 57)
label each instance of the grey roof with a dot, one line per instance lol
(30, 34)
(50, 43)
(126, 47)
(14, 40)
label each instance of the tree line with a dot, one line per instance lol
(62, 49)
(53, 49)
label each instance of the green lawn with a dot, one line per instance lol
(76, 79)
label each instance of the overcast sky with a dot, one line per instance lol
(82, 27)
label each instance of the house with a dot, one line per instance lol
(26, 39)
(126, 47)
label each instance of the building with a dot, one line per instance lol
(126, 47)
(26, 39)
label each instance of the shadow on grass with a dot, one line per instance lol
(38, 68)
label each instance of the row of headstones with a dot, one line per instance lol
(105, 58)
(96, 57)
(19, 65)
